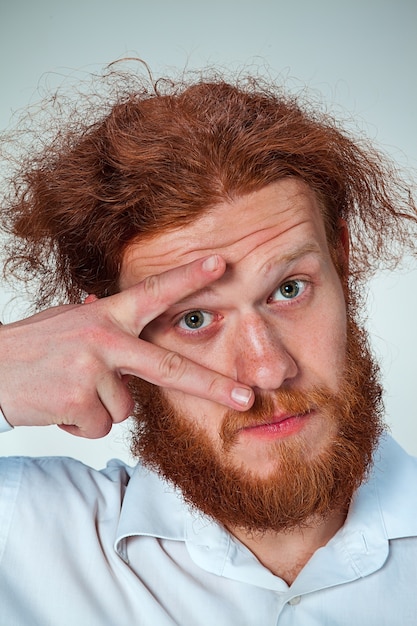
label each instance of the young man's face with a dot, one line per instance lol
(276, 320)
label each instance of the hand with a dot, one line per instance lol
(70, 365)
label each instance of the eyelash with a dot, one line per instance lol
(302, 286)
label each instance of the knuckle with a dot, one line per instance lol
(152, 287)
(172, 367)
(216, 387)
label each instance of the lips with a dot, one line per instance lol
(278, 426)
(279, 414)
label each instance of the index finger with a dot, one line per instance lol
(174, 371)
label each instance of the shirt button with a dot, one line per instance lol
(295, 600)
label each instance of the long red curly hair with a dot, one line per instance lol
(165, 152)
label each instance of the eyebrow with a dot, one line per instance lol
(298, 253)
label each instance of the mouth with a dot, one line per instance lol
(278, 426)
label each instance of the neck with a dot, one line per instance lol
(285, 554)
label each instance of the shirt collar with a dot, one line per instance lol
(154, 508)
(393, 478)
(150, 507)
(384, 508)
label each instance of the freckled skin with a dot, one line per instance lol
(252, 332)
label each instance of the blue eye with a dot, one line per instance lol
(289, 290)
(196, 320)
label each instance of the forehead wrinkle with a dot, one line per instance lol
(209, 291)
(236, 249)
(228, 234)
(233, 250)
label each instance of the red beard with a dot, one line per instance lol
(302, 485)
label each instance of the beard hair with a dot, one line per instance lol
(302, 486)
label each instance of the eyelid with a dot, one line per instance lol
(195, 331)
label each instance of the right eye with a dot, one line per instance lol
(290, 290)
(195, 320)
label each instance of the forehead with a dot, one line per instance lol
(279, 218)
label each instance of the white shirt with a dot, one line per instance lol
(80, 547)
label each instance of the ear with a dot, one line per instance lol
(343, 247)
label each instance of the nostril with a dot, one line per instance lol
(266, 375)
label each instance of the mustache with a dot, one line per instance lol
(286, 401)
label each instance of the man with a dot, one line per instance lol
(232, 231)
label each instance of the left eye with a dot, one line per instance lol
(289, 290)
(195, 320)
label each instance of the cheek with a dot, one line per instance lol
(329, 345)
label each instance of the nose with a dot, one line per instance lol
(262, 357)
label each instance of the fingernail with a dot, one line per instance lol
(241, 395)
(211, 263)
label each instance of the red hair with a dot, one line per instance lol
(159, 158)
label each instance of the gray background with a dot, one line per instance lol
(360, 55)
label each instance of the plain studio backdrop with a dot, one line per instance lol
(361, 55)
